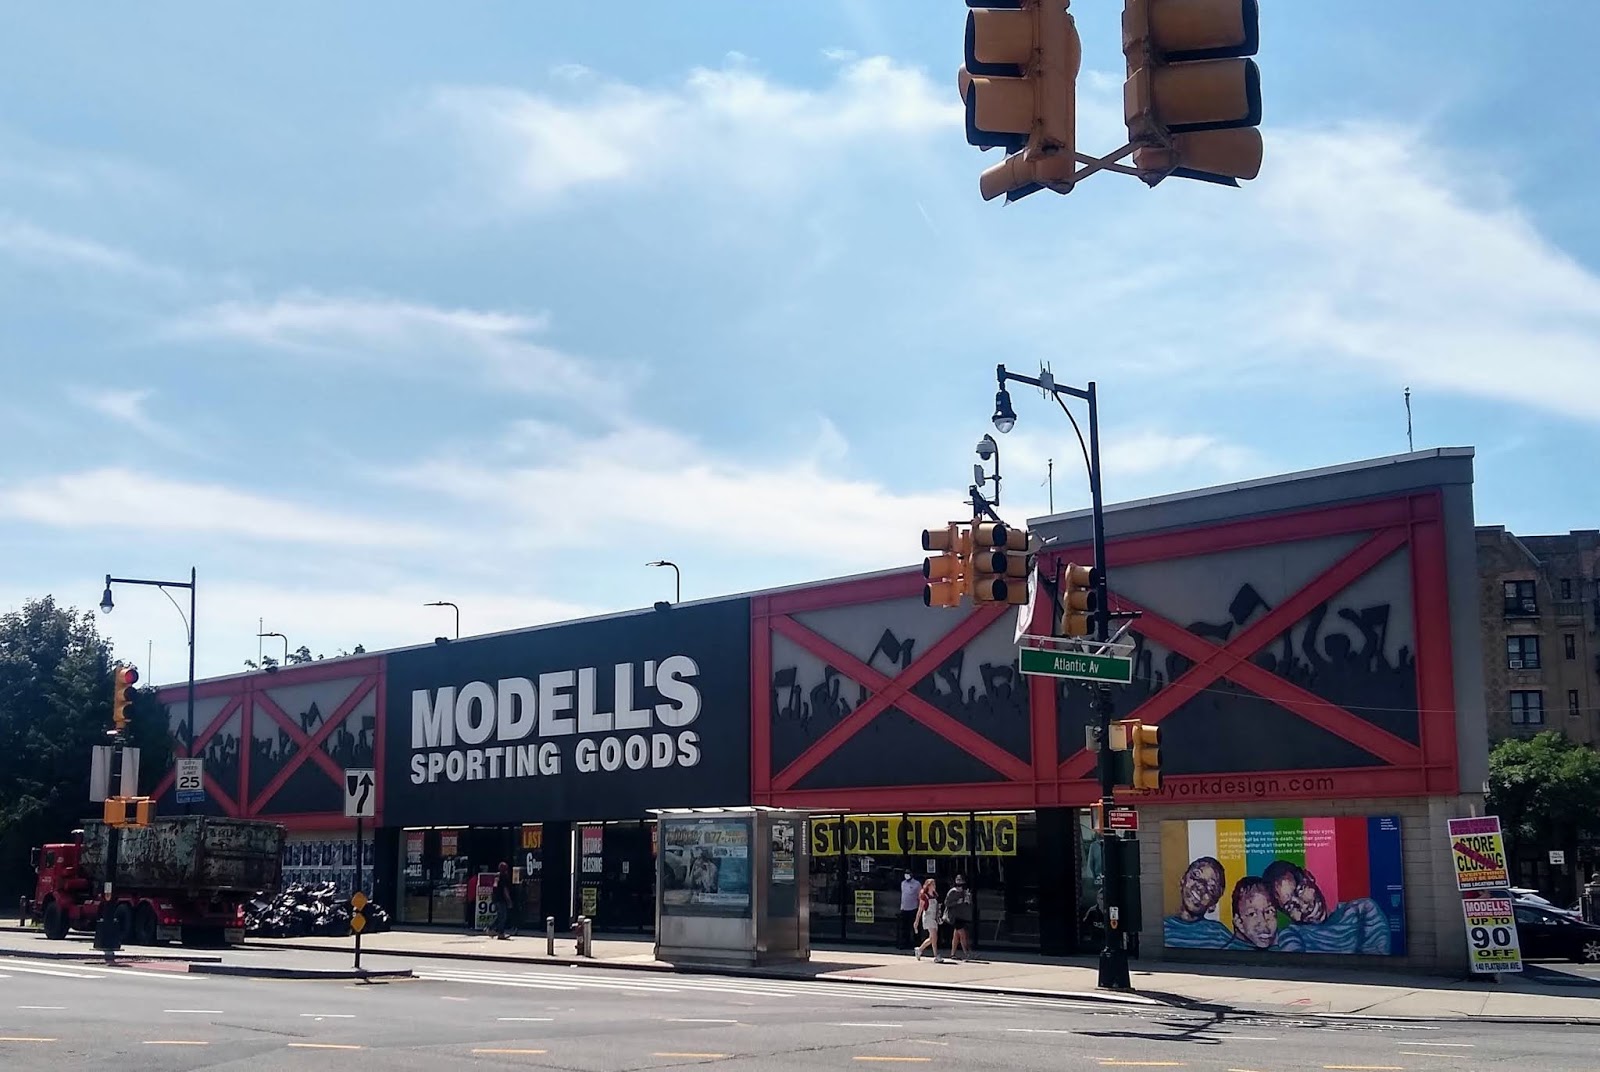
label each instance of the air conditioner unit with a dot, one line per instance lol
(1530, 606)
(1516, 664)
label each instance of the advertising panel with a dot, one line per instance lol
(1492, 940)
(1319, 885)
(915, 835)
(705, 866)
(593, 720)
(1479, 852)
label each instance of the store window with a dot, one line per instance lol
(614, 883)
(443, 868)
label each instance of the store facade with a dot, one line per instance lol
(1300, 646)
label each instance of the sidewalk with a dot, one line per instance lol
(1539, 994)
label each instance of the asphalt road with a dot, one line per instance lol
(56, 1014)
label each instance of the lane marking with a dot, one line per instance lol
(197, 1012)
(528, 1053)
(44, 1008)
(1452, 1045)
(1435, 1056)
(924, 1042)
(857, 1024)
(1368, 1068)
(447, 997)
(690, 1020)
(173, 1042)
(525, 1019)
(329, 1015)
(321, 1046)
(1243, 1070)
(18, 1038)
(916, 1059)
(688, 1055)
(1111, 1062)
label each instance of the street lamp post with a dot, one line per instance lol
(677, 595)
(285, 640)
(106, 605)
(1114, 955)
(452, 606)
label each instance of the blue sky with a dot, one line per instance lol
(358, 306)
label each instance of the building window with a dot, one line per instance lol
(1570, 642)
(1522, 652)
(1521, 598)
(1566, 588)
(1572, 702)
(1527, 708)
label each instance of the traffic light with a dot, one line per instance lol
(1191, 100)
(1019, 85)
(1080, 600)
(128, 811)
(947, 572)
(1145, 744)
(122, 695)
(999, 563)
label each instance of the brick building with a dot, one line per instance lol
(1541, 632)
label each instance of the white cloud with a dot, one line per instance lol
(31, 244)
(134, 501)
(128, 407)
(425, 339)
(726, 124)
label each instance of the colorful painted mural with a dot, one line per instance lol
(1321, 885)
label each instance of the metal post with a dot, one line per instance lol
(188, 809)
(1114, 957)
(588, 937)
(549, 936)
(358, 889)
(105, 933)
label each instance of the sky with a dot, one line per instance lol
(355, 307)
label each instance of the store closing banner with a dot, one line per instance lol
(593, 720)
(915, 835)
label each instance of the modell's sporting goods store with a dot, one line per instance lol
(1308, 645)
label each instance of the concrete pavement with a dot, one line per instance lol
(459, 1015)
(1343, 993)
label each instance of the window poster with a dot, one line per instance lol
(706, 863)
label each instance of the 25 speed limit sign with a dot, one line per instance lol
(1492, 944)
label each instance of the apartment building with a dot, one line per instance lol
(1540, 612)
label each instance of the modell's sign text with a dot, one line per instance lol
(519, 727)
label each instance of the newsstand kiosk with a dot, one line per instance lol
(733, 886)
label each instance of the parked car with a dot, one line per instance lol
(1548, 933)
(1524, 895)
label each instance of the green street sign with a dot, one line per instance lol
(1116, 669)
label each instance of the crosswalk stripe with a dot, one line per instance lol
(88, 971)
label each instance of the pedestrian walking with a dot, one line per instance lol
(928, 915)
(958, 910)
(502, 901)
(910, 892)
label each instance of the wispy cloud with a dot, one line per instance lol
(422, 339)
(28, 243)
(138, 501)
(726, 125)
(128, 407)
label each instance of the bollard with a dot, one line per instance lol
(588, 937)
(577, 936)
(22, 911)
(549, 936)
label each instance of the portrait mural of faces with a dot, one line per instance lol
(1330, 885)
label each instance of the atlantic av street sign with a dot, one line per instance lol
(1113, 669)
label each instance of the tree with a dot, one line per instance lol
(300, 655)
(55, 705)
(1546, 790)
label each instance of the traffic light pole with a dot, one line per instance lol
(192, 586)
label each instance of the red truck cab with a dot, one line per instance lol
(60, 885)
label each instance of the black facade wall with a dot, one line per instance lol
(699, 652)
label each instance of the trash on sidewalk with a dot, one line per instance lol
(315, 910)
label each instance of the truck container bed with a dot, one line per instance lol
(190, 853)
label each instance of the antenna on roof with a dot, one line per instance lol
(1410, 445)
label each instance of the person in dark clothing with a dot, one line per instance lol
(502, 900)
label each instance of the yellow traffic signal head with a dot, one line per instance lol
(1079, 599)
(122, 694)
(1189, 87)
(1145, 743)
(947, 572)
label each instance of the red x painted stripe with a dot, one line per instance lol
(1232, 661)
(896, 692)
(212, 728)
(309, 747)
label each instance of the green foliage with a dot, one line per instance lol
(302, 654)
(55, 705)
(1545, 789)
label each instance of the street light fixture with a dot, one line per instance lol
(106, 606)
(1114, 956)
(678, 588)
(285, 640)
(452, 606)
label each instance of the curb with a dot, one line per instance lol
(1545, 1021)
(249, 971)
(96, 957)
(1142, 998)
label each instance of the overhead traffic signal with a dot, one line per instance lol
(1080, 600)
(999, 563)
(1191, 100)
(128, 811)
(122, 694)
(1145, 744)
(1019, 85)
(947, 573)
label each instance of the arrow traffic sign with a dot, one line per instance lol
(360, 796)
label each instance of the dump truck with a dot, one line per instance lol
(181, 878)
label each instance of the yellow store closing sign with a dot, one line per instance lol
(915, 835)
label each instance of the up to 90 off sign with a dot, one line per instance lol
(1492, 944)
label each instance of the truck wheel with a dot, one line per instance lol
(144, 926)
(55, 922)
(122, 919)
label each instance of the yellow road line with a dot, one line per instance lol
(321, 1046)
(1366, 1068)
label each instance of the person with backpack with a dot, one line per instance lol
(958, 912)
